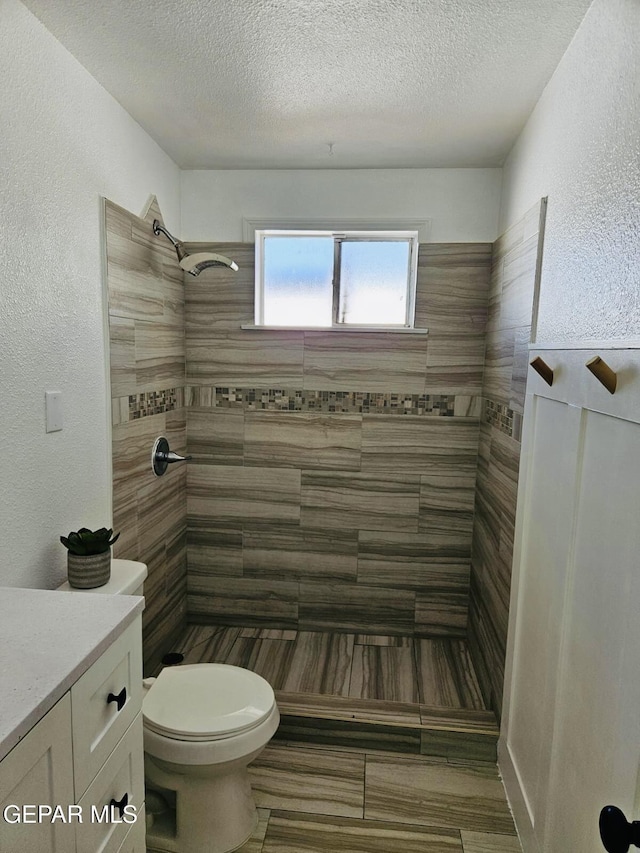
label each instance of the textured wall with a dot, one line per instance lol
(462, 203)
(580, 148)
(310, 504)
(64, 143)
(515, 268)
(147, 364)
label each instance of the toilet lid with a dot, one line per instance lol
(206, 701)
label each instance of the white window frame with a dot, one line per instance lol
(339, 236)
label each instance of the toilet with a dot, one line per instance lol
(203, 724)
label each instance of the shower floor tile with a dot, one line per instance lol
(437, 673)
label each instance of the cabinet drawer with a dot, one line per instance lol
(98, 722)
(122, 774)
(135, 842)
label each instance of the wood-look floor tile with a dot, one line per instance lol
(446, 675)
(320, 663)
(330, 783)
(269, 658)
(383, 673)
(459, 797)
(255, 843)
(207, 643)
(349, 708)
(292, 832)
(267, 634)
(482, 842)
(382, 640)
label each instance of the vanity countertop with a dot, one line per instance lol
(48, 638)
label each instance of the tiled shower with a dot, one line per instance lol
(358, 483)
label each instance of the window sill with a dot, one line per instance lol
(394, 330)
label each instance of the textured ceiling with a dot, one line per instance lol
(271, 83)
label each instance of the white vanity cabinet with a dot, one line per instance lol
(86, 756)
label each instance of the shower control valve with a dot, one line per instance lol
(161, 456)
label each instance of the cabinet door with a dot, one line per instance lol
(39, 771)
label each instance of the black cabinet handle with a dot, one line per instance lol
(616, 833)
(120, 699)
(120, 804)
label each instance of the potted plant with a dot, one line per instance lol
(89, 557)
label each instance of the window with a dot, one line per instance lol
(354, 279)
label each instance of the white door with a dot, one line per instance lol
(571, 731)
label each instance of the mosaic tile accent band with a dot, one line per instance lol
(155, 402)
(297, 400)
(499, 416)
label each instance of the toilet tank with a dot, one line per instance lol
(127, 578)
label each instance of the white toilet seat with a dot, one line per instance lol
(206, 702)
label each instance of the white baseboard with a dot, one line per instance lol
(517, 800)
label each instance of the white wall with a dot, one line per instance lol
(462, 203)
(64, 143)
(580, 147)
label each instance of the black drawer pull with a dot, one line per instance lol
(120, 699)
(120, 804)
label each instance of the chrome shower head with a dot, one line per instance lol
(194, 264)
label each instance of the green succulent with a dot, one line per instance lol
(87, 542)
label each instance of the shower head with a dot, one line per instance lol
(194, 264)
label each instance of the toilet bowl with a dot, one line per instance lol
(203, 724)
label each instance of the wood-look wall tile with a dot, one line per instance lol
(309, 780)
(452, 287)
(359, 500)
(134, 275)
(371, 361)
(320, 663)
(302, 440)
(176, 554)
(161, 509)
(409, 791)
(520, 368)
(160, 356)
(215, 549)
(408, 560)
(243, 495)
(117, 220)
(482, 842)
(299, 554)
(356, 608)
(519, 275)
(216, 436)
(499, 365)
(419, 445)
(446, 675)
(296, 832)
(446, 506)
(122, 351)
(125, 522)
(132, 443)
(242, 601)
(220, 299)
(386, 673)
(455, 363)
(442, 610)
(254, 359)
